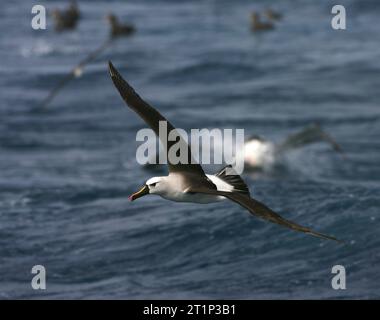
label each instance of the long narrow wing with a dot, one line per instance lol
(152, 118)
(73, 73)
(52, 94)
(260, 210)
(309, 135)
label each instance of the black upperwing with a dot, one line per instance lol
(262, 211)
(152, 117)
(309, 135)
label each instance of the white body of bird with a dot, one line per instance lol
(259, 154)
(168, 188)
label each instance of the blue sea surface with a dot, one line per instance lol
(66, 172)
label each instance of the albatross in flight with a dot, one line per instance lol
(187, 182)
(117, 30)
(260, 153)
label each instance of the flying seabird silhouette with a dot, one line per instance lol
(187, 182)
(260, 153)
(118, 29)
(66, 19)
(75, 72)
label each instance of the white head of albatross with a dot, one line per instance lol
(155, 185)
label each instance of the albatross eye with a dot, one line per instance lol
(153, 184)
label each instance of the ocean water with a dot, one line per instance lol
(66, 172)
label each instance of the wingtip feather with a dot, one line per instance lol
(112, 70)
(324, 236)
